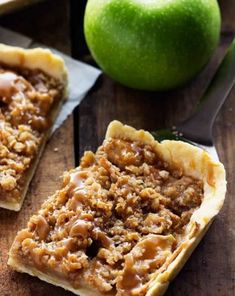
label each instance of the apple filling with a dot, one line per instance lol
(115, 223)
(26, 101)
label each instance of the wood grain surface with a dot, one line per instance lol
(211, 269)
(7, 6)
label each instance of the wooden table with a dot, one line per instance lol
(6, 6)
(211, 269)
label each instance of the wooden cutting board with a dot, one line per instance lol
(211, 268)
(10, 5)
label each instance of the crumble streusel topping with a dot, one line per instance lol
(116, 221)
(26, 100)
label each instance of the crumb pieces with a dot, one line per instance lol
(116, 220)
(26, 98)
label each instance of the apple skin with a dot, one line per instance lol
(152, 44)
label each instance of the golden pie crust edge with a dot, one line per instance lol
(194, 162)
(49, 63)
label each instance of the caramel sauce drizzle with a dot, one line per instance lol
(7, 86)
(152, 252)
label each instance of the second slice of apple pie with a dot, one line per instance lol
(33, 86)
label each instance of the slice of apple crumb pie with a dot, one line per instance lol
(126, 220)
(33, 85)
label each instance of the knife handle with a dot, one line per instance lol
(198, 128)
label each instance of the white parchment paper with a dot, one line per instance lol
(81, 79)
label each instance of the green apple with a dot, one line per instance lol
(152, 44)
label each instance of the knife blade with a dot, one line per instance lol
(198, 128)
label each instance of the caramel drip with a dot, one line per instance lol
(151, 252)
(77, 179)
(78, 189)
(80, 228)
(7, 87)
(130, 279)
(2, 125)
(103, 238)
